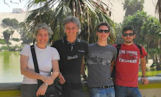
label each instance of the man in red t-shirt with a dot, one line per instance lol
(127, 66)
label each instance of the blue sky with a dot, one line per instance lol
(9, 6)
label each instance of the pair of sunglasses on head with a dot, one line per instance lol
(101, 31)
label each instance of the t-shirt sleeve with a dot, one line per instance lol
(25, 51)
(144, 53)
(55, 54)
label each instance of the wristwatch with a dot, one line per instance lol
(46, 84)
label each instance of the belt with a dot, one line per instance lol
(73, 85)
(111, 86)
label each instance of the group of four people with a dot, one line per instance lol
(70, 55)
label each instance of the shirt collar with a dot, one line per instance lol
(66, 42)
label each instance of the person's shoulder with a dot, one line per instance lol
(140, 47)
(137, 46)
(82, 41)
(57, 42)
(52, 49)
(111, 47)
(25, 50)
(26, 46)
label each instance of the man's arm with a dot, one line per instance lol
(112, 66)
(83, 69)
(143, 68)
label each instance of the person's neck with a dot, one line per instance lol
(102, 43)
(128, 43)
(71, 40)
(41, 46)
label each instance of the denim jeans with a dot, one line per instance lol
(70, 90)
(122, 91)
(102, 92)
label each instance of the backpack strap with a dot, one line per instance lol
(140, 48)
(118, 46)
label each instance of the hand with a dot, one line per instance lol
(48, 80)
(61, 79)
(84, 77)
(144, 80)
(42, 90)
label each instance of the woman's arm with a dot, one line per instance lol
(49, 80)
(27, 72)
(56, 71)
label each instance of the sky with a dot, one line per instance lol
(8, 6)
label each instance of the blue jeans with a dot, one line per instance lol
(122, 91)
(102, 92)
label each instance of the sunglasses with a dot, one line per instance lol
(101, 31)
(129, 34)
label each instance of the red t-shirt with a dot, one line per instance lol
(127, 65)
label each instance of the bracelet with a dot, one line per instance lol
(46, 84)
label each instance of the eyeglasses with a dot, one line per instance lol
(128, 34)
(101, 31)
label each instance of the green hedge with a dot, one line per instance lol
(2, 41)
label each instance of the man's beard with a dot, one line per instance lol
(128, 42)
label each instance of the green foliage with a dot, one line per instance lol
(4, 48)
(6, 34)
(15, 48)
(38, 1)
(16, 39)
(26, 36)
(132, 6)
(2, 41)
(118, 29)
(10, 48)
(151, 29)
(10, 23)
(151, 73)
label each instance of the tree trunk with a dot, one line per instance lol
(158, 7)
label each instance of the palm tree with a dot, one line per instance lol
(158, 9)
(53, 12)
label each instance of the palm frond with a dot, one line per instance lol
(53, 12)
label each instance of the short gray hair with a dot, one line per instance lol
(74, 20)
(42, 26)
